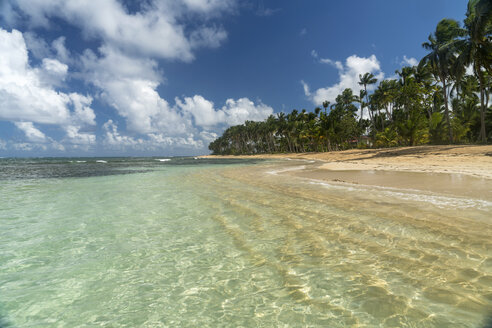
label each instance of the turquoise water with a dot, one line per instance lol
(231, 243)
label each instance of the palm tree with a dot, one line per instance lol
(475, 49)
(326, 104)
(440, 58)
(360, 100)
(365, 80)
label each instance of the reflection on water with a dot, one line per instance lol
(221, 245)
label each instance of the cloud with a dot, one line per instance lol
(76, 137)
(25, 146)
(113, 140)
(305, 86)
(208, 136)
(209, 6)
(262, 11)
(234, 112)
(31, 146)
(303, 32)
(37, 46)
(202, 110)
(52, 72)
(348, 75)
(25, 93)
(32, 134)
(22, 93)
(37, 139)
(28, 96)
(337, 64)
(9, 15)
(238, 111)
(409, 61)
(211, 37)
(54, 67)
(157, 140)
(62, 53)
(40, 49)
(155, 31)
(265, 12)
(205, 116)
(83, 114)
(129, 85)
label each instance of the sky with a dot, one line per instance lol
(167, 77)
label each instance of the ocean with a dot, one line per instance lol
(189, 242)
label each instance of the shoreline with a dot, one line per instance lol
(469, 160)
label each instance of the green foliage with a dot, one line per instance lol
(437, 132)
(387, 138)
(460, 130)
(414, 130)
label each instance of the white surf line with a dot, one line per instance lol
(296, 168)
(442, 201)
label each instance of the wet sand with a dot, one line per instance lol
(469, 168)
(468, 160)
(446, 184)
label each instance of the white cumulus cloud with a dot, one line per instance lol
(409, 61)
(114, 140)
(27, 94)
(22, 93)
(32, 133)
(129, 85)
(156, 30)
(234, 112)
(348, 75)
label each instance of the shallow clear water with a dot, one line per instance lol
(186, 243)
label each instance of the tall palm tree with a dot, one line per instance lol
(326, 104)
(440, 59)
(360, 100)
(475, 49)
(405, 74)
(365, 80)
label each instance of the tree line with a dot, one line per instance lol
(442, 100)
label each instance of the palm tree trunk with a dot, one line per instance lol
(368, 109)
(483, 134)
(446, 109)
(382, 118)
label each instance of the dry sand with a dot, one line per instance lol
(475, 161)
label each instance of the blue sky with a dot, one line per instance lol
(165, 77)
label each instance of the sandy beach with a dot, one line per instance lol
(475, 161)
